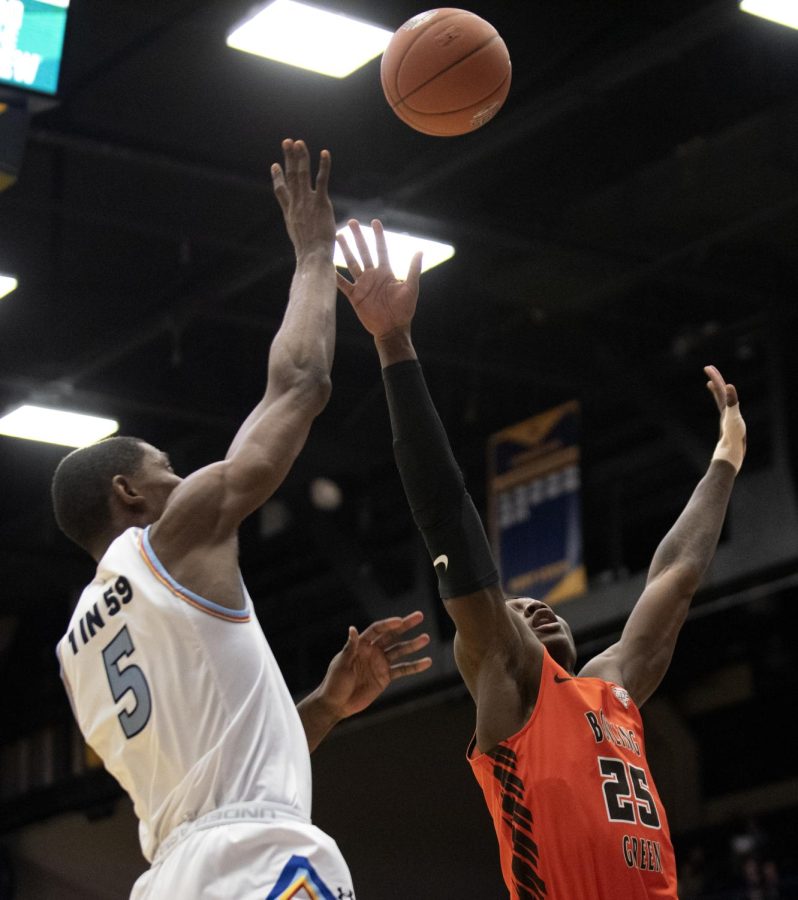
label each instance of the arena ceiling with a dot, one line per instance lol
(629, 216)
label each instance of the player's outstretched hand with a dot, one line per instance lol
(308, 211)
(383, 302)
(370, 661)
(732, 442)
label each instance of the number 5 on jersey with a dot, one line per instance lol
(129, 678)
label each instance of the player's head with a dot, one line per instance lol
(100, 490)
(550, 629)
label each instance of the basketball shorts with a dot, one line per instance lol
(224, 856)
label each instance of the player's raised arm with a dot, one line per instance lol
(641, 657)
(210, 504)
(441, 506)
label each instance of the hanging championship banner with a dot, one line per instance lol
(534, 503)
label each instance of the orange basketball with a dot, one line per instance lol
(446, 72)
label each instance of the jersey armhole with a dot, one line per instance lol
(199, 602)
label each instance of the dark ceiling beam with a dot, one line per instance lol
(63, 392)
(640, 275)
(777, 405)
(709, 284)
(622, 378)
(581, 91)
(365, 209)
(179, 312)
(650, 401)
(145, 228)
(495, 368)
(119, 55)
(625, 379)
(667, 264)
(95, 145)
(757, 586)
(663, 47)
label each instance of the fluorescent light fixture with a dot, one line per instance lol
(310, 38)
(55, 426)
(784, 12)
(401, 248)
(7, 284)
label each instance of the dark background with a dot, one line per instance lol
(628, 217)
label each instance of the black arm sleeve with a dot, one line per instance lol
(433, 483)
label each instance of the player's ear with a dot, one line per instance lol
(124, 491)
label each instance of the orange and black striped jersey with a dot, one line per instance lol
(573, 803)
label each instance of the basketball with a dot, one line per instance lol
(446, 72)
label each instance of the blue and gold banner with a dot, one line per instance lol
(535, 510)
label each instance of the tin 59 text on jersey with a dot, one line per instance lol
(117, 594)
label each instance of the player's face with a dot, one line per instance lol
(156, 479)
(550, 629)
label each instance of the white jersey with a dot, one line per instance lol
(180, 697)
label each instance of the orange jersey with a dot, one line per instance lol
(572, 799)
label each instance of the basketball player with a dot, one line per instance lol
(560, 756)
(168, 672)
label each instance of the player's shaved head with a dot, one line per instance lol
(81, 486)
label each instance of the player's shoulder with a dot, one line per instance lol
(194, 512)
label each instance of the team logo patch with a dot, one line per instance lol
(621, 695)
(300, 881)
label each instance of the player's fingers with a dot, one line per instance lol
(344, 285)
(382, 246)
(719, 401)
(288, 159)
(414, 272)
(400, 670)
(412, 619)
(407, 648)
(398, 627)
(716, 386)
(360, 243)
(714, 376)
(302, 162)
(323, 175)
(352, 639)
(278, 183)
(731, 395)
(380, 628)
(349, 258)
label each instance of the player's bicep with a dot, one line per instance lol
(261, 462)
(500, 661)
(481, 619)
(487, 634)
(210, 504)
(640, 659)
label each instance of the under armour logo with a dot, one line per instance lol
(345, 895)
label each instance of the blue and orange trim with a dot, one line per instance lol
(195, 600)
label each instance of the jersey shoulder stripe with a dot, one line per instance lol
(195, 600)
